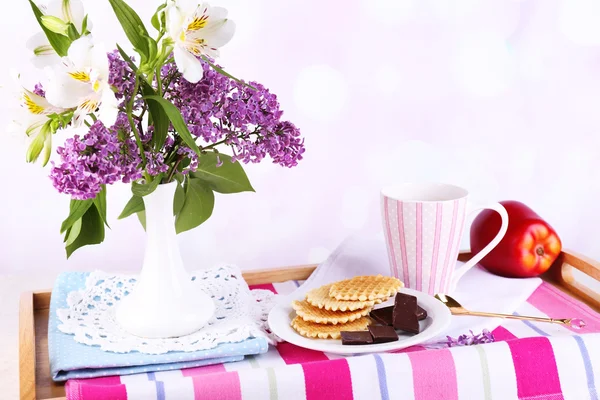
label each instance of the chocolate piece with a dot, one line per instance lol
(405, 313)
(384, 315)
(356, 337)
(421, 313)
(383, 334)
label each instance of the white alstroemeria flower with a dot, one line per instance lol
(196, 29)
(43, 53)
(81, 81)
(33, 120)
(69, 11)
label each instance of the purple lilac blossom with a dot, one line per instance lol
(98, 158)
(169, 142)
(155, 163)
(39, 90)
(217, 110)
(471, 339)
(120, 76)
(193, 157)
(284, 146)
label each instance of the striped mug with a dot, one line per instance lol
(423, 225)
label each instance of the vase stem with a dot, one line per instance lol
(163, 302)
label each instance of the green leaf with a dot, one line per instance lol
(197, 208)
(177, 121)
(135, 204)
(224, 73)
(76, 211)
(155, 19)
(55, 24)
(228, 178)
(155, 22)
(179, 199)
(72, 32)
(100, 203)
(73, 232)
(91, 231)
(142, 218)
(132, 25)
(152, 48)
(59, 43)
(144, 189)
(84, 25)
(47, 149)
(127, 58)
(184, 164)
(163, 19)
(160, 120)
(35, 148)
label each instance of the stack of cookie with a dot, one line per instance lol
(342, 306)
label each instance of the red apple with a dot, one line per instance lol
(528, 249)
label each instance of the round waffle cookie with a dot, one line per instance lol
(363, 288)
(321, 316)
(326, 331)
(320, 298)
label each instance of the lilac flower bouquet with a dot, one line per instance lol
(163, 115)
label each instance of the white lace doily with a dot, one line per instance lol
(240, 313)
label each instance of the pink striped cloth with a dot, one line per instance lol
(529, 360)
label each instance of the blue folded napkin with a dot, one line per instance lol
(70, 359)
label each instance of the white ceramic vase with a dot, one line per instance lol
(164, 302)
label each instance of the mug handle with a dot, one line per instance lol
(479, 256)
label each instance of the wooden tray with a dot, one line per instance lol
(34, 369)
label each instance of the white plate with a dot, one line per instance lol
(438, 319)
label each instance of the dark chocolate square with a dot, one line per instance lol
(384, 315)
(405, 313)
(421, 313)
(383, 334)
(356, 337)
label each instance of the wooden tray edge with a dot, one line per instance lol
(559, 275)
(297, 273)
(26, 346)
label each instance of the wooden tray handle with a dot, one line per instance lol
(561, 273)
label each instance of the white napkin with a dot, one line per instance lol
(477, 290)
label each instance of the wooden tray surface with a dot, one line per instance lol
(34, 368)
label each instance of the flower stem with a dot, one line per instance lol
(174, 168)
(159, 82)
(239, 136)
(214, 145)
(138, 139)
(145, 107)
(169, 78)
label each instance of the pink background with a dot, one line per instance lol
(500, 97)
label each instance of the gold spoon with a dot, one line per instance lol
(457, 309)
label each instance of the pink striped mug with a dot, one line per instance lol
(423, 225)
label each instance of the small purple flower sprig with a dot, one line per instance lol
(470, 339)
